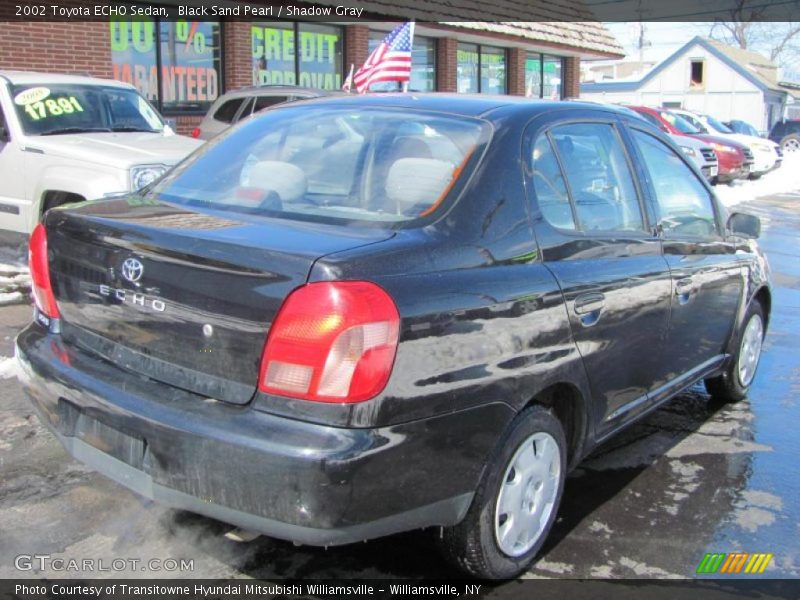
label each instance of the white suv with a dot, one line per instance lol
(66, 138)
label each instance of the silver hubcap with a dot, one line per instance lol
(528, 494)
(750, 350)
(791, 146)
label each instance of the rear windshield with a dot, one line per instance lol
(330, 163)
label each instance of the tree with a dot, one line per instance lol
(750, 29)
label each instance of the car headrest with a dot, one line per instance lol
(285, 179)
(410, 147)
(413, 181)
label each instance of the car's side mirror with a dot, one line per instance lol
(744, 225)
(4, 135)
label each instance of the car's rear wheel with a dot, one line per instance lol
(791, 143)
(53, 199)
(735, 382)
(516, 503)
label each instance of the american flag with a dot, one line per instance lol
(390, 61)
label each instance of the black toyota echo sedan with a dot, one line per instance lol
(354, 316)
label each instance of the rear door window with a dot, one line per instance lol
(228, 110)
(247, 109)
(263, 102)
(601, 187)
(549, 186)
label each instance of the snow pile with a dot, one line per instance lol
(15, 279)
(8, 367)
(784, 180)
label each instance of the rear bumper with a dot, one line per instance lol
(303, 482)
(729, 173)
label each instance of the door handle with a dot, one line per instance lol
(683, 289)
(589, 307)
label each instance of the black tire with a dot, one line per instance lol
(790, 143)
(472, 545)
(728, 387)
(54, 199)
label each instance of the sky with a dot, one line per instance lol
(664, 39)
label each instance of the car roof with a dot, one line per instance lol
(469, 105)
(27, 77)
(279, 89)
(647, 109)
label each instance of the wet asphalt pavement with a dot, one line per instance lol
(693, 477)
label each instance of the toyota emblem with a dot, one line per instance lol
(132, 270)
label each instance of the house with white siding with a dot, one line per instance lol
(706, 76)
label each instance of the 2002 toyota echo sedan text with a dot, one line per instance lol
(355, 316)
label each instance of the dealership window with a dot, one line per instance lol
(307, 54)
(423, 65)
(533, 75)
(543, 76)
(481, 69)
(182, 73)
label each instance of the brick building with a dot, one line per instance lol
(183, 65)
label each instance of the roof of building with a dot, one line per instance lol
(754, 67)
(760, 66)
(567, 23)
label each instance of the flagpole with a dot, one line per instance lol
(348, 83)
(411, 36)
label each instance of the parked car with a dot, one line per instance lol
(350, 317)
(239, 104)
(787, 134)
(747, 129)
(734, 159)
(742, 127)
(701, 154)
(765, 152)
(67, 138)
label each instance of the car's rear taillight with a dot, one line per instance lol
(196, 132)
(331, 342)
(40, 274)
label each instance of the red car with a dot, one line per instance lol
(735, 159)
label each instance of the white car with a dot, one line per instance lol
(232, 107)
(701, 154)
(66, 138)
(765, 152)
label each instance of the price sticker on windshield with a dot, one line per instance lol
(53, 107)
(31, 95)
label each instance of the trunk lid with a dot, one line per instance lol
(182, 296)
